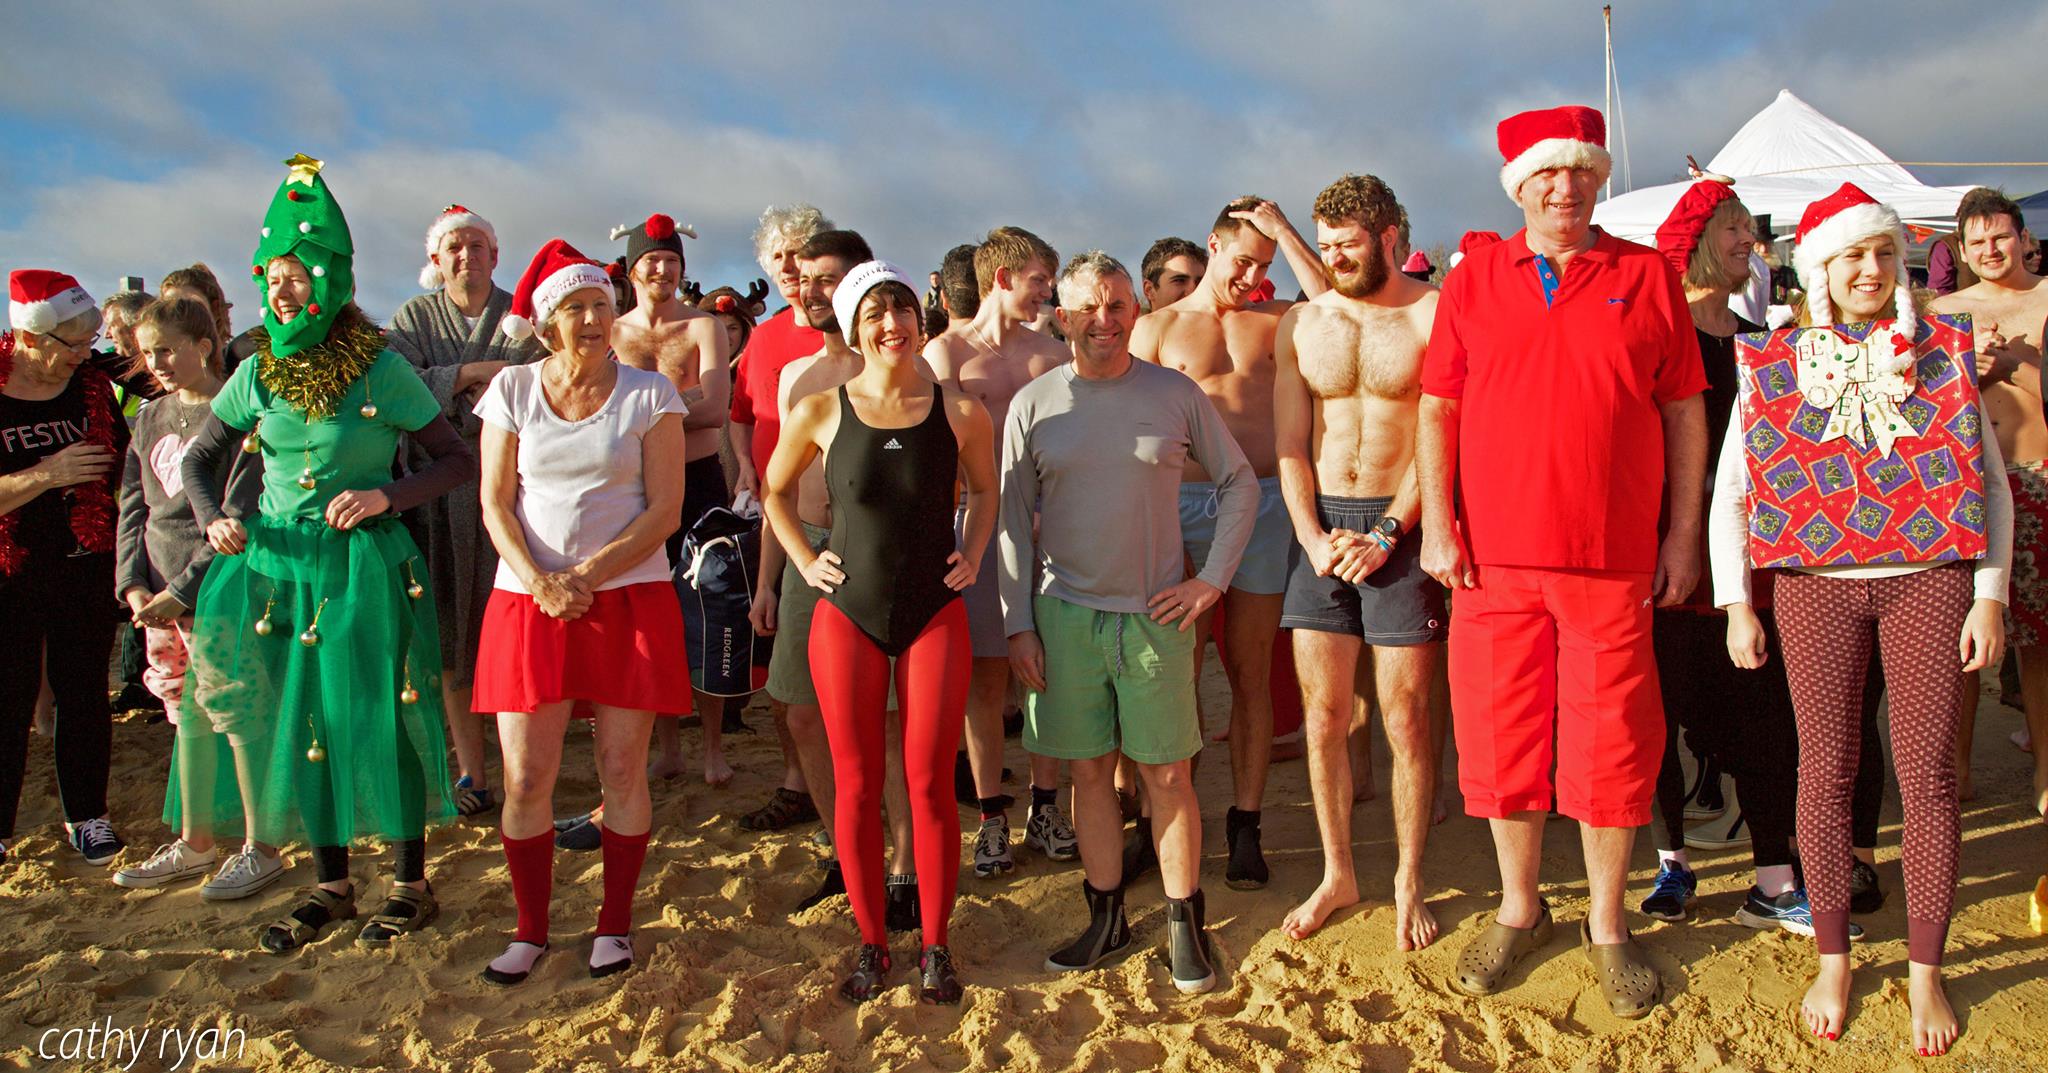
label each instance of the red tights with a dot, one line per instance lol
(851, 675)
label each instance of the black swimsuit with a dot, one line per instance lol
(892, 521)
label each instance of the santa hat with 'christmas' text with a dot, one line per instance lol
(1569, 136)
(452, 218)
(1680, 232)
(657, 232)
(1833, 224)
(557, 272)
(39, 299)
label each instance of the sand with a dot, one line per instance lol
(728, 982)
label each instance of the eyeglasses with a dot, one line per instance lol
(74, 345)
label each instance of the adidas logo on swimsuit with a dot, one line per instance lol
(892, 445)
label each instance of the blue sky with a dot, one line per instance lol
(135, 138)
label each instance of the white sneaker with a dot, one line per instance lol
(171, 863)
(1047, 831)
(241, 875)
(992, 847)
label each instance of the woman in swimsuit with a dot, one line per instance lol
(892, 442)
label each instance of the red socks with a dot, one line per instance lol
(623, 856)
(532, 861)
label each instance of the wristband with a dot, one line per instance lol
(1386, 543)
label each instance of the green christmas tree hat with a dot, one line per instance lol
(305, 221)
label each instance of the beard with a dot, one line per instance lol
(1367, 279)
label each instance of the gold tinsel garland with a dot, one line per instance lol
(315, 379)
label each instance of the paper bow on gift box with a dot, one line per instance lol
(1860, 384)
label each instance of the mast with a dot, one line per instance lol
(1607, 110)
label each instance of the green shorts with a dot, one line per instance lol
(789, 667)
(1113, 680)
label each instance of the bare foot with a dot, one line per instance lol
(1440, 811)
(1288, 747)
(1414, 924)
(1966, 789)
(2022, 740)
(1826, 1005)
(46, 718)
(1934, 1022)
(716, 771)
(1362, 788)
(1310, 915)
(667, 767)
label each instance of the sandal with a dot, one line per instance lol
(787, 808)
(321, 908)
(1486, 961)
(405, 910)
(1629, 981)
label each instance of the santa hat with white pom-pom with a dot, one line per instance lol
(1833, 224)
(452, 218)
(557, 272)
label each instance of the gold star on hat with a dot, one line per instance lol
(303, 169)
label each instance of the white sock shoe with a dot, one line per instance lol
(514, 964)
(610, 954)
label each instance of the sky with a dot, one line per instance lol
(136, 138)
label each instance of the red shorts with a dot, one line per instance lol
(1556, 666)
(627, 651)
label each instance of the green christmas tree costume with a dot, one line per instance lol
(315, 649)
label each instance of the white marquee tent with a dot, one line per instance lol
(1784, 159)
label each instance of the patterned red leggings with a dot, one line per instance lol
(1828, 624)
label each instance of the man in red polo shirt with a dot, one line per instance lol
(1561, 409)
(757, 378)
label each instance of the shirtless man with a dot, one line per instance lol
(1226, 346)
(666, 334)
(990, 357)
(2009, 306)
(1171, 268)
(1345, 402)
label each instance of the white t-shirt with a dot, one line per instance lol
(579, 482)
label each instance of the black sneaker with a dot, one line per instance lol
(1247, 867)
(96, 841)
(900, 908)
(580, 834)
(1673, 895)
(870, 975)
(1865, 895)
(939, 984)
(832, 885)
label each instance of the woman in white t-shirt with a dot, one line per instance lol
(582, 483)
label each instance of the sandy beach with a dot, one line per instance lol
(728, 982)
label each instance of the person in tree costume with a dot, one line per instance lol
(315, 636)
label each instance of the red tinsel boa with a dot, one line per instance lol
(92, 503)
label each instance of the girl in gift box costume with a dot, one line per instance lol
(314, 636)
(1925, 622)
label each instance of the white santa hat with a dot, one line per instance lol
(1569, 136)
(1833, 224)
(865, 277)
(39, 299)
(452, 218)
(556, 272)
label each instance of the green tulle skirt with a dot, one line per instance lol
(330, 740)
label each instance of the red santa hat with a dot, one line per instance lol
(1833, 224)
(1569, 136)
(1418, 261)
(39, 299)
(452, 218)
(557, 272)
(1680, 233)
(1472, 242)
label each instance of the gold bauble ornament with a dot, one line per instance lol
(263, 626)
(415, 590)
(250, 444)
(409, 695)
(306, 480)
(369, 411)
(310, 638)
(316, 752)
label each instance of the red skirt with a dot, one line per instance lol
(627, 651)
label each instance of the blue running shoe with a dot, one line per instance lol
(1673, 897)
(1788, 911)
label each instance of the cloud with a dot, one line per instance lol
(139, 138)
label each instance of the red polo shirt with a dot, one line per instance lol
(777, 342)
(1560, 430)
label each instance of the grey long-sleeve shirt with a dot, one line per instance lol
(1100, 462)
(159, 545)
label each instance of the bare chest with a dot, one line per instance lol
(1347, 355)
(1221, 355)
